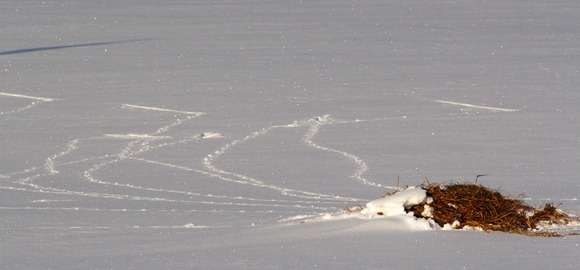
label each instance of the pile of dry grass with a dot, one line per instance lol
(477, 206)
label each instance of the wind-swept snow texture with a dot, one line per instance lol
(199, 134)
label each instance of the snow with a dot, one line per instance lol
(236, 116)
(394, 205)
(494, 109)
(384, 214)
(427, 211)
(573, 226)
(26, 97)
(136, 136)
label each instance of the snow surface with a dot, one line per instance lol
(394, 205)
(198, 134)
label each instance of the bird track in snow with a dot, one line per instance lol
(313, 125)
(140, 143)
(489, 108)
(35, 101)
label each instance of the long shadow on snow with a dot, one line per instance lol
(80, 45)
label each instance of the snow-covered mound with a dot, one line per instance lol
(395, 204)
(387, 213)
(417, 208)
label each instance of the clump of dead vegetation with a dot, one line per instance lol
(473, 205)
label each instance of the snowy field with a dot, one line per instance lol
(198, 134)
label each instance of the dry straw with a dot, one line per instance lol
(477, 206)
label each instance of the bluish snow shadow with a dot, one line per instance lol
(79, 45)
